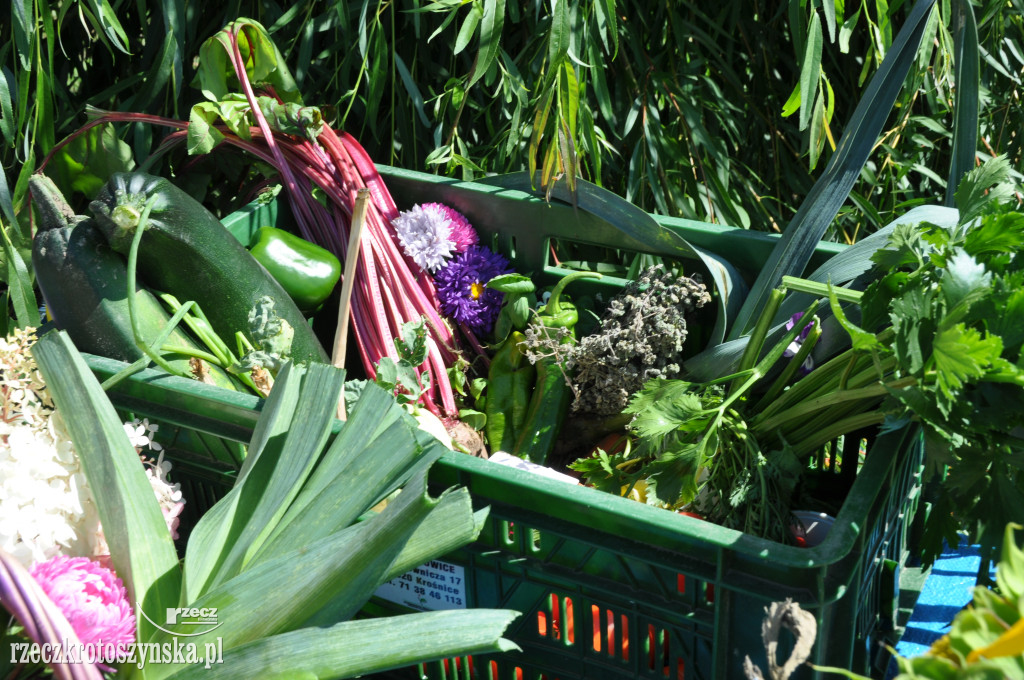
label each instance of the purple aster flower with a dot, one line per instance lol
(794, 346)
(461, 233)
(462, 291)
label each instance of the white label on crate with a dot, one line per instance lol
(508, 459)
(432, 586)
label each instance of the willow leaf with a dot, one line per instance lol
(7, 127)
(468, 29)
(107, 21)
(24, 22)
(560, 34)
(490, 38)
(810, 69)
(19, 284)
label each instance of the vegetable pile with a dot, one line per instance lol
(490, 362)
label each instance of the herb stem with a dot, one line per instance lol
(838, 427)
(757, 336)
(133, 311)
(791, 367)
(828, 401)
(192, 352)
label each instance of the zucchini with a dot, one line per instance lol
(85, 286)
(187, 252)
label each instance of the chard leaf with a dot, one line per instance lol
(412, 343)
(203, 137)
(387, 373)
(260, 57)
(87, 162)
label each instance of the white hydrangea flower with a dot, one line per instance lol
(425, 235)
(141, 434)
(46, 505)
(167, 494)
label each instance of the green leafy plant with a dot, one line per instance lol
(402, 377)
(936, 345)
(282, 556)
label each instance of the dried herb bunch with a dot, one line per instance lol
(641, 336)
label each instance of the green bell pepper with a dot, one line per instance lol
(307, 271)
(552, 394)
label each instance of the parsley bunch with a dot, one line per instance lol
(951, 306)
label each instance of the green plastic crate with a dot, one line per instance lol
(607, 587)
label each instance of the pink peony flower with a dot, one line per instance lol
(91, 597)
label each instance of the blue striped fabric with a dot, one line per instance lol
(948, 587)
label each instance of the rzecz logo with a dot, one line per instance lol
(204, 619)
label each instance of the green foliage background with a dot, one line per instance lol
(691, 109)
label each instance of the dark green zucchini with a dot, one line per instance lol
(187, 252)
(85, 286)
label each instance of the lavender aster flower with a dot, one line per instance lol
(794, 346)
(424, 235)
(462, 291)
(430, 233)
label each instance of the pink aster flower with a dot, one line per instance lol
(461, 232)
(91, 597)
(431, 233)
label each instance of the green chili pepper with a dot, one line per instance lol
(510, 381)
(307, 271)
(552, 394)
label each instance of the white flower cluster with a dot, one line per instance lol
(46, 507)
(168, 494)
(425, 236)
